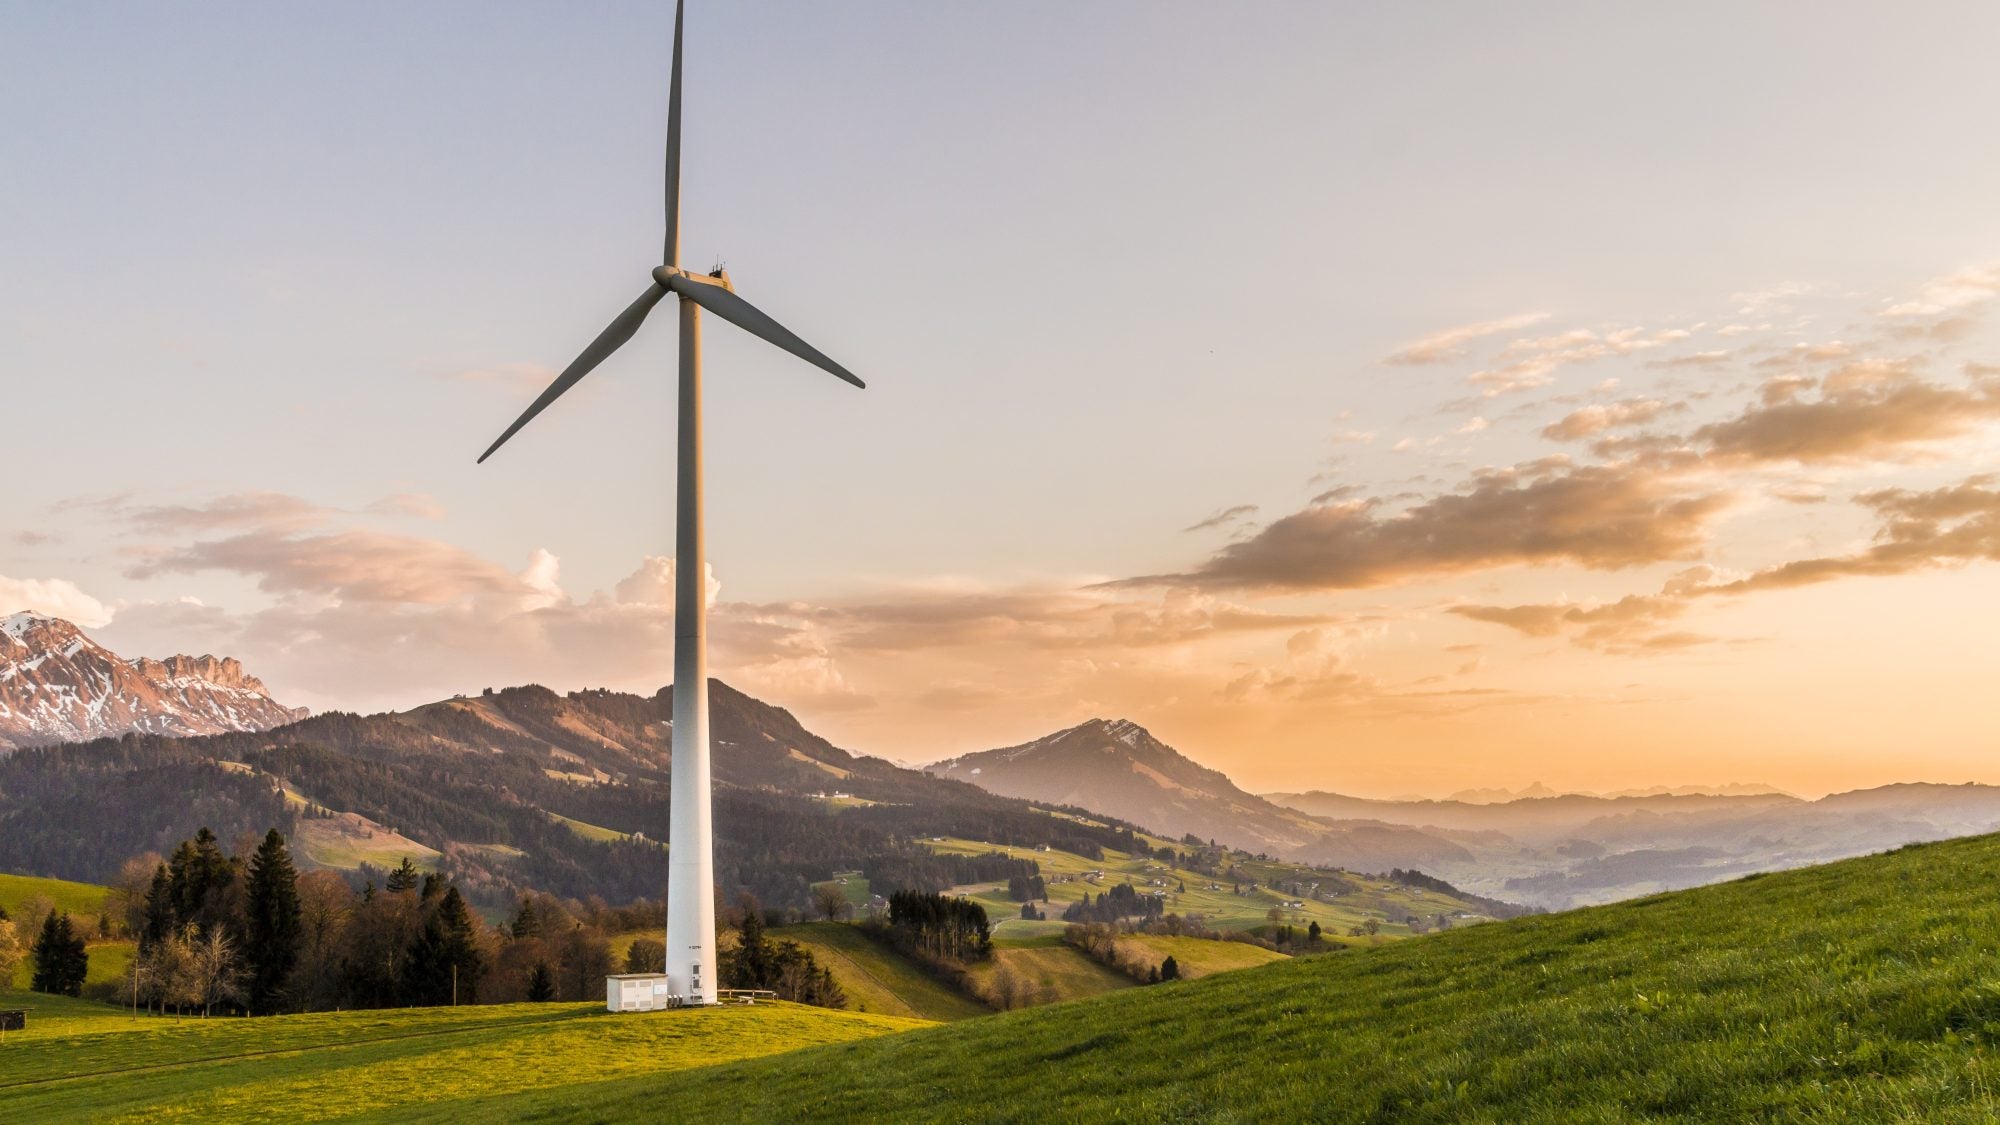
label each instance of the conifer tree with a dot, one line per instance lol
(404, 877)
(541, 984)
(160, 922)
(274, 922)
(61, 961)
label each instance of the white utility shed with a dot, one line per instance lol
(635, 992)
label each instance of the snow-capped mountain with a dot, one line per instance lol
(57, 685)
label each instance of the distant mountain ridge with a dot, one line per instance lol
(1117, 768)
(57, 685)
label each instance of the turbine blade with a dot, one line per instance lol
(608, 341)
(717, 297)
(673, 248)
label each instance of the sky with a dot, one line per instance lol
(1381, 399)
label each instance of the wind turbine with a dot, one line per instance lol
(691, 960)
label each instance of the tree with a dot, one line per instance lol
(404, 877)
(61, 960)
(274, 925)
(326, 904)
(646, 955)
(830, 900)
(526, 924)
(216, 971)
(201, 878)
(10, 948)
(1312, 934)
(132, 890)
(157, 911)
(583, 959)
(751, 964)
(1274, 915)
(1170, 969)
(542, 984)
(444, 963)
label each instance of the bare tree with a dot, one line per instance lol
(326, 905)
(197, 970)
(831, 900)
(127, 901)
(10, 951)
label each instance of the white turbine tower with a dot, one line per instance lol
(691, 950)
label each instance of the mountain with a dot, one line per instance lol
(57, 685)
(522, 788)
(1575, 849)
(1116, 768)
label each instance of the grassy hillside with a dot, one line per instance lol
(87, 1062)
(85, 900)
(1321, 899)
(878, 979)
(1863, 990)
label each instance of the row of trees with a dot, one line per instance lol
(1120, 902)
(218, 932)
(938, 927)
(1027, 888)
(785, 967)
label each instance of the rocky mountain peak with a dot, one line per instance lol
(57, 685)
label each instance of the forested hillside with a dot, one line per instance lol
(516, 789)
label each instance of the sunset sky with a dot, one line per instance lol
(1382, 399)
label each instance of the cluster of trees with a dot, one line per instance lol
(1027, 888)
(939, 928)
(785, 967)
(1121, 901)
(61, 961)
(920, 869)
(1106, 945)
(219, 931)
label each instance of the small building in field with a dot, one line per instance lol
(636, 992)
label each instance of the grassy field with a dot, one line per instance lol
(1198, 957)
(425, 1064)
(1053, 971)
(85, 903)
(1867, 990)
(85, 900)
(877, 979)
(1070, 876)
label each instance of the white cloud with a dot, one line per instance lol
(1450, 343)
(55, 597)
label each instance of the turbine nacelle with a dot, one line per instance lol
(665, 275)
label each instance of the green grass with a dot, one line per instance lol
(1056, 971)
(1867, 990)
(1220, 909)
(85, 900)
(1198, 957)
(409, 1065)
(877, 979)
(854, 890)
